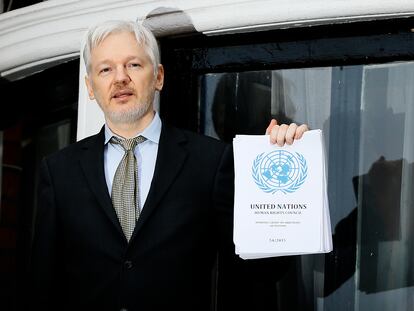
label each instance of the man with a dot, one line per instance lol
(102, 244)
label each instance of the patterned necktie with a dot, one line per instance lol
(125, 191)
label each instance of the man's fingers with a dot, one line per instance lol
(271, 125)
(281, 135)
(273, 133)
(291, 133)
(300, 130)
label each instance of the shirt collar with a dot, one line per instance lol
(152, 132)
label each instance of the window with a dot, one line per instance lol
(38, 117)
(355, 85)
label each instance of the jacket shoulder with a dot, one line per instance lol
(197, 139)
(71, 151)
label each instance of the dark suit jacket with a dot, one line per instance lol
(81, 259)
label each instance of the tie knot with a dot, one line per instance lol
(128, 144)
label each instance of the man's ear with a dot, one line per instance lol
(159, 78)
(89, 87)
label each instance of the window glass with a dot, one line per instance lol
(366, 113)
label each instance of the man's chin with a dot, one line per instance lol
(127, 117)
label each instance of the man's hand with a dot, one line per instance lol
(281, 134)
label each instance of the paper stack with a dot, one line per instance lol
(281, 204)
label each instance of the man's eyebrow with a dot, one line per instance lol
(102, 62)
(133, 57)
(108, 61)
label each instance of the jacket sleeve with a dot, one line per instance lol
(43, 265)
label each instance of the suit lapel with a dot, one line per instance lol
(92, 163)
(170, 159)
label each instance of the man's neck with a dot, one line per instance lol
(130, 130)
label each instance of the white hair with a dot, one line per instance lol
(99, 32)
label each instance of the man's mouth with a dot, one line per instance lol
(122, 94)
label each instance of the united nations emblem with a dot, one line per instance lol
(279, 170)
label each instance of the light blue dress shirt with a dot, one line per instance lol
(145, 153)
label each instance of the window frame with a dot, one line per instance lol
(187, 57)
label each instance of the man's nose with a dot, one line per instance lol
(121, 75)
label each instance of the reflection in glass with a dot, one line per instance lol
(367, 116)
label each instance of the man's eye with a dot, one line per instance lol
(105, 70)
(134, 65)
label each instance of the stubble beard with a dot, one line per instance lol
(130, 115)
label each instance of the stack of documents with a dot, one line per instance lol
(281, 204)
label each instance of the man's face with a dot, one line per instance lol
(121, 79)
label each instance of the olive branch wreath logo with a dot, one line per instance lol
(258, 179)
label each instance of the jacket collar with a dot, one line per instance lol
(170, 159)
